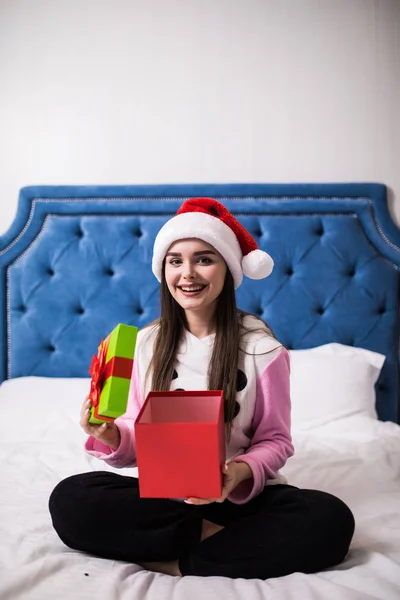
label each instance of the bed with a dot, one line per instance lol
(76, 262)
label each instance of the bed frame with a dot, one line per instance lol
(77, 261)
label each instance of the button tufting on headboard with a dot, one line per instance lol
(319, 230)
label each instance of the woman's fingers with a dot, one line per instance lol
(200, 501)
(85, 410)
(85, 404)
(85, 416)
(104, 432)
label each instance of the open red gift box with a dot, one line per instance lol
(180, 444)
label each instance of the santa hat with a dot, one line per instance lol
(210, 221)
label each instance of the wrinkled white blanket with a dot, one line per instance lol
(357, 458)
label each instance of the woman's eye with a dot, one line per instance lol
(204, 260)
(175, 262)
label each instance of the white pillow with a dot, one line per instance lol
(331, 382)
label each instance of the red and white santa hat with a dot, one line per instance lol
(210, 221)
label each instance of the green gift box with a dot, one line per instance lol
(111, 372)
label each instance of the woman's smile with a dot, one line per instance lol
(191, 290)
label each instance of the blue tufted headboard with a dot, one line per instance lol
(76, 261)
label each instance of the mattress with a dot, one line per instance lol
(355, 458)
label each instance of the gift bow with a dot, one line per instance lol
(98, 372)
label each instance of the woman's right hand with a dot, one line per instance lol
(107, 433)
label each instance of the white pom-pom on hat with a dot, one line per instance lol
(209, 220)
(257, 264)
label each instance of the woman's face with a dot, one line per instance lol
(195, 275)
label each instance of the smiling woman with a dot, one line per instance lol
(259, 526)
(195, 275)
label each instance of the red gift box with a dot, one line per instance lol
(180, 444)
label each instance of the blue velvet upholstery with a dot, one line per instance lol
(76, 262)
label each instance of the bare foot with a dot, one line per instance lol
(208, 529)
(167, 567)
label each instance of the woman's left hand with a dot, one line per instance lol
(234, 473)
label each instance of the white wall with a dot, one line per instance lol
(153, 91)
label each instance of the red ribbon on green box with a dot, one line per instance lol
(101, 371)
(114, 371)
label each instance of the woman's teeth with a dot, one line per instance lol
(192, 289)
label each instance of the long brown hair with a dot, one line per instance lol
(229, 328)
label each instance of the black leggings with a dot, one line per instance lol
(283, 530)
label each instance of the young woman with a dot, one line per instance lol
(260, 527)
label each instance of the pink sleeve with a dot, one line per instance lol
(271, 444)
(125, 454)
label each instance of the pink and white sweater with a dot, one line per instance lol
(261, 429)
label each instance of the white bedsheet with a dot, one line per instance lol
(357, 459)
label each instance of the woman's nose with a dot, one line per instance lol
(189, 271)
